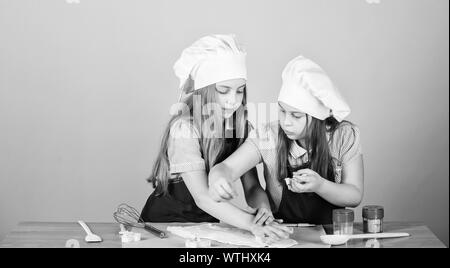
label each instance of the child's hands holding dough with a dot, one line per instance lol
(305, 181)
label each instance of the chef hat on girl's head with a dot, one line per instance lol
(209, 60)
(308, 88)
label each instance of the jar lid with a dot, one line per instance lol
(343, 215)
(373, 212)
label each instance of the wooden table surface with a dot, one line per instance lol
(55, 234)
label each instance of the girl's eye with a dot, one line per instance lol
(240, 92)
(297, 116)
(222, 91)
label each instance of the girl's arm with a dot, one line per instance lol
(222, 175)
(349, 193)
(196, 182)
(255, 195)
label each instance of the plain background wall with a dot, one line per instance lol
(85, 91)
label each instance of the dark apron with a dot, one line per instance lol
(303, 207)
(177, 206)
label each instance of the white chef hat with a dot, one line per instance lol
(308, 88)
(209, 60)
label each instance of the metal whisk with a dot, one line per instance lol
(129, 216)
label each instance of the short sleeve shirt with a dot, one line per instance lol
(183, 149)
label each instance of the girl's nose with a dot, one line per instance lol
(232, 98)
(287, 120)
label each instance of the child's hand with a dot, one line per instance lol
(272, 232)
(305, 181)
(221, 190)
(264, 216)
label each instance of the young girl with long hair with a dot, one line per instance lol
(312, 157)
(210, 125)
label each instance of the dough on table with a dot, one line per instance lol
(226, 235)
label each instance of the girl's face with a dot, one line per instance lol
(292, 121)
(229, 95)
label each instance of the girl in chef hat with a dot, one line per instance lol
(212, 124)
(312, 157)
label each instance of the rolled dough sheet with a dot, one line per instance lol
(303, 237)
(226, 235)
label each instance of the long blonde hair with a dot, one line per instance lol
(213, 148)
